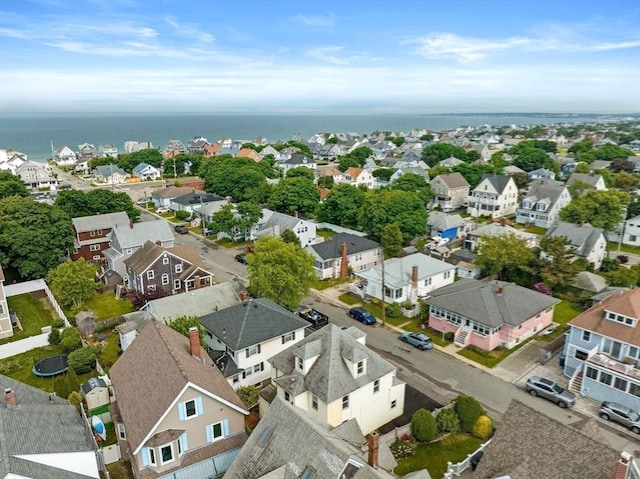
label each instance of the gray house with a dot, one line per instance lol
(542, 203)
(589, 242)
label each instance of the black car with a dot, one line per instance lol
(182, 229)
(241, 258)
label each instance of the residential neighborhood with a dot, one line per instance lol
(171, 319)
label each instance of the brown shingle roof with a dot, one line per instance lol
(626, 303)
(152, 372)
(530, 445)
(150, 252)
(454, 180)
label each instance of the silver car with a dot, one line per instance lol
(616, 412)
(545, 388)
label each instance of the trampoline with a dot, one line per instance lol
(51, 366)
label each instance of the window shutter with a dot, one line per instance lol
(200, 408)
(209, 434)
(262, 366)
(246, 352)
(183, 441)
(145, 456)
(225, 428)
(258, 349)
(181, 411)
(294, 335)
(282, 337)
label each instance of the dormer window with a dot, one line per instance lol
(360, 368)
(619, 318)
(300, 364)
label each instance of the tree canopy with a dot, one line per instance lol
(385, 206)
(342, 206)
(295, 195)
(11, 185)
(433, 154)
(601, 209)
(33, 236)
(506, 256)
(557, 268)
(279, 271)
(414, 184)
(73, 283)
(77, 203)
(241, 178)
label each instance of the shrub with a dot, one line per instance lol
(70, 340)
(73, 383)
(58, 323)
(623, 258)
(182, 215)
(403, 448)
(609, 264)
(54, 337)
(248, 395)
(393, 310)
(423, 425)
(83, 360)
(483, 428)
(468, 411)
(75, 399)
(447, 420)
(60, 386)
(449, 336)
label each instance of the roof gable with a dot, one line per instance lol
(333, 248)
(97, 222)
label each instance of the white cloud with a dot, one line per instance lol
(190, 30)
(315, 20)
(328, 54)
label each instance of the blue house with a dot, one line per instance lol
(602, 351)
(444, 225)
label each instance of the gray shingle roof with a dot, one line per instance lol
(582, 237)
(454, 180)
(397, 271)
(487, 304)
(499, 182)
(333, 248)
(251, 322)
(284, 222)
(528, 442)
(287, 440)
(140, 233)
(197, 198)
(442, 221)
(587, 178)
(41, 424)
(540, 190)
(329, 377)
(100, 222)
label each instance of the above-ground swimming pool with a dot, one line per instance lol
(51, 366)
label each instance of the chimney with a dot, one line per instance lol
(414, 276)
(194, 341)
(131, 224)
(158, 242)
(500, 290)
(580, 224)
(10, 398)
(344, 265)
(372, 441)
(622, 466)
(503, 221)
(244, 295)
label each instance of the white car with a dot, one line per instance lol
(162, 209)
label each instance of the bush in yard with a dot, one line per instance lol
(483, 428)
(70, 340)
(58, 323)
(75, 399)
(423, 425)
(73, 383)
(449, 336)
(248, 395)
(393, 310)
(54, 337)
(468, 411)
(447, 420)
(83, 360)
(403, 448)
(60, 387)
(182, 215)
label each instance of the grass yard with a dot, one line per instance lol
(106, 306)
(349, 299)
(111, 351)
(490, 358)
(434, 456)
(624, 248)
(33, 312)
(326, 233)
(327, 283)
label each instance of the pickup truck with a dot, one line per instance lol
(316, 318)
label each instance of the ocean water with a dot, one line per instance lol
(35, 136)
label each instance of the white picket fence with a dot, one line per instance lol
(460, 467)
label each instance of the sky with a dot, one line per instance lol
(414, 56)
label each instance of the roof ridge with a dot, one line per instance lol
(170, 349)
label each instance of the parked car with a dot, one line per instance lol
(315, 317)
(241, 258)
(162, 209)
(546, 388)
(418, 340)
(182, 229)
(611, 411)
(143, 201)
(362, 315)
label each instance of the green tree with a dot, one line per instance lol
(75, 399)
(468, 411)
(54, 337)
(78, 203)
(624, 277)
(295, 195)
(342, 206)
(60, 387)
(73, 283)
(474, 173)
(447, 420)
(289, 236)
(71, 378)
(601, 209)
(248, 214)
(385, 206)
(433, 154)
(241, 178)
(391, 239)
(345, 162)
(582, 167)
(558, 267)
(383, 174)
(326, 181)
(183, 324)
(626, 181)
(581, 146)
(248, 395)
(504, 255)
(423, 425)
(396, 140)
(70, 339)
(279, 271)
(33, 236)
(83, 360)
(11, 185)
(301, 171)
(415, 184)
(529, 158)
(224, 220)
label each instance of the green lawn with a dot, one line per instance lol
(349, 299)
(490, 358)
(326, 233)
(111, 351)
(536, 230)
(327, 283)
(33, 314)
(435, 455)
(106, 306)
(624, 248)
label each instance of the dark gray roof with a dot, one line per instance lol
(529, 442)
(582, 237)
(333, 248)
(284, 222)
(329, 377)
(197, 198)
(251, 322)
(540, 190)
(491, 303)
(41, 424)
(499, 182)
(287, 440)
(93, 383)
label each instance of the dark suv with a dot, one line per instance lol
(182, 229)
(623, 415)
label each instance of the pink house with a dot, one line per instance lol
(489, 314)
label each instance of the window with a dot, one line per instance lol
(620, 384)
(287, 396)
(92, 233)
(634, 389)
(121, 432)
(166, 453)
(447, 274)
(216, 431)
(179, 268)
(96, 257)
(165, 279)
(300, 364)
(345, 402)
(190, 408)
(250, 351)
(99, 232)
(376, 386)
(581, 355)
(427, 282)
(314, 402)
(150, 274)
(605, 378)
(288, 337)
(393, 404)
(586, 336)
(592, 373)
(176, 284)
(152, 456)
(94, 247)
(165, 260)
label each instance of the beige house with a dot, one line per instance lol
(174, 411)
(495, 196)
(451, 191)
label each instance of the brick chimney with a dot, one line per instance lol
(10, 398)
(622, 466)
(372, 441)
(344, 265)
(131, 224)
(244, 295)
(414, 276)
(194, 341)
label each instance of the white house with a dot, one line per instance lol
(589, 242)
(297, 161)
(542, 202)
(343, 253)
(108, 151)
(37, 175)
(65, 156)
(406, 279)
(335, 377)
(357, 177)
(632, 231)
(495, 196)
(145, 171)
(276, 223)
(243, 338)
(594, 181)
